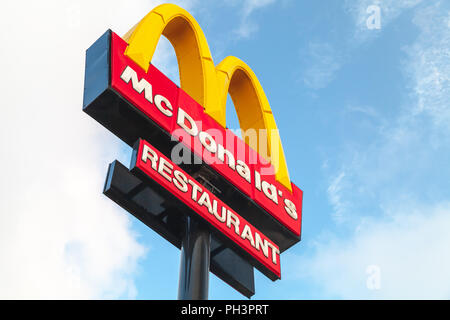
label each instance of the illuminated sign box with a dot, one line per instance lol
(152, 165)
(165, 214)
(135, 104)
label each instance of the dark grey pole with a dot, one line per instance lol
(194, 265)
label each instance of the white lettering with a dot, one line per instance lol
(195, 189)
(165, 169)
(223, 217)
(257, 180)
(206, 201)
(159, 99)
(148, 153)
(261, 245)
(275, 251)
(204, 138)
(243, 170)
(180, 181)
(270, 191)
(290, 209)
(247, 234)
(233, 220)
(138, 85)
(181, 121)
(230, 158)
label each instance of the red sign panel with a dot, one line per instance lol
(181, 116)
(167, 174)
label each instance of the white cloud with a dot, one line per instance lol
(59, 236)
(410, 250)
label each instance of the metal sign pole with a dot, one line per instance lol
(194, 265)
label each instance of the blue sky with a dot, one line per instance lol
(364, 118)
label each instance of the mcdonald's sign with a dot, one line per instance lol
(183, 150)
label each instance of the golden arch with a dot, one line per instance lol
(207, 84)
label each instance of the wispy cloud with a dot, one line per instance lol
(367, 110)
(423, 121)
(322, 61)
(429, 64)
(389, 11)
(335, 197)
(247, 26)
(392, 188)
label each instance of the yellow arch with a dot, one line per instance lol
(197, 71)
(207, 84)
(253, 110)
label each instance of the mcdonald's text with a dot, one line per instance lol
(184, 119)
